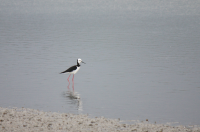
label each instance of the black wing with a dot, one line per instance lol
(70, 69)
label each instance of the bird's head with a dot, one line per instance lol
(79, 61)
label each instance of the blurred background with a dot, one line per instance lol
(142, 58)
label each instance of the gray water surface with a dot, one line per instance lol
(142, 58)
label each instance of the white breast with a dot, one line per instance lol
(74, 72)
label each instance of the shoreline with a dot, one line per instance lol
(31, 120)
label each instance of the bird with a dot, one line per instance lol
(73, 69)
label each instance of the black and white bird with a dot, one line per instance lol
(73, 69)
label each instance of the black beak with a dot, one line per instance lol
(83, 62)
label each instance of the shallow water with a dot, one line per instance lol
(142, 59)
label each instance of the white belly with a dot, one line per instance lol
(74, 72)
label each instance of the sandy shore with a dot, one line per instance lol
(31, 120)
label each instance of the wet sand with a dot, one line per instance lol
(31, 120)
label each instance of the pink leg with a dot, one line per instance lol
(68, 77)
(68, 85)
(69, 82)
(73, 78)
(73, 86)
(73, 82)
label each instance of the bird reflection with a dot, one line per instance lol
(73, 97)
(69, 84)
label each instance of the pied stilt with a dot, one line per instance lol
(73, 69)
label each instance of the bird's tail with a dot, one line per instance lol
(63, 72)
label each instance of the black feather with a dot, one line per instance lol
(70, 69)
